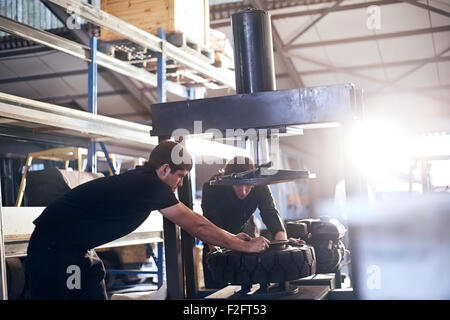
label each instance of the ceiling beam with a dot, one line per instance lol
(220, 11)
(428, 7)
(313, 23)
(371, 66)
(73, 97)
(415, 89)
(32, 49)
(298, 13)
(383, 83)
(389, 35)
(355, 6)
(407, 73)
(335, 69)
(48, 76)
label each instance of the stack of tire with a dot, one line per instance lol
(272, 266)
(326, 236)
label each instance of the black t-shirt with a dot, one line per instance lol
(105, 209)
(222, 207)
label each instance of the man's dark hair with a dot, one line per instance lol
(238, 164)
(178, 159)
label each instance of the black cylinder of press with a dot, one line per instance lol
(253, 51)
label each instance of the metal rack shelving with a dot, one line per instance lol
(97, 128)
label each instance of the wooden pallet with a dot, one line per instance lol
(223, 61)
(183, 41)
(127, 51)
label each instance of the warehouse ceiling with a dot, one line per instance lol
(402, 61)
(397, 51)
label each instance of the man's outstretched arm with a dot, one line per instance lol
(201, 228)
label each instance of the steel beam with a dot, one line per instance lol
(188, 243)
(107, 157)
(92, 78)
(92, 102)
(23, 51)
(355, 6)
(383, 83)
(298, 13)
(61, 99)
(313, 23)
(173, 255)
(370, 66)
(336, 69)
(370, 38)
(147, 40)
(161, 70)
(69, 119)
(268, 109)
(428, 7)
(62, 16)
(412, 90)
(172, 232)
(407, 73)
(47, 76)
(45, 38)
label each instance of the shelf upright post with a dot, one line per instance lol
(92, 101)
(187, 241)
(108, 158)
(160, 264)
(192, 96)
(161, 68)
(172, 245)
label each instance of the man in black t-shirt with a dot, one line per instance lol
(232, 207)
(61, 262)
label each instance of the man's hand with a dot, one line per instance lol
(243, 236)
(257, 244)
(203, 229)
(281, 235)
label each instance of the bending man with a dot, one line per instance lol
(105, 209)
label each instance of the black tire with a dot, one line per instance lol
(271, 266)
(296, 229)
(15, 277)
(329, 255)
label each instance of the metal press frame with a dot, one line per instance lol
(267, 109)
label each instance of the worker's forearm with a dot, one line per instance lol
(213, 235)
(203, 229)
